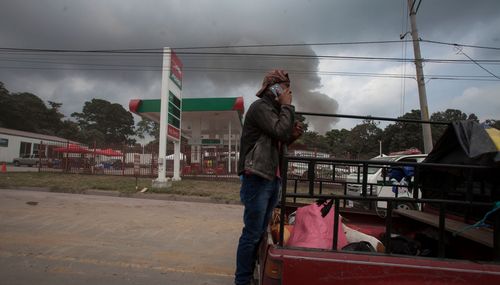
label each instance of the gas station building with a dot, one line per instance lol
(210, 129)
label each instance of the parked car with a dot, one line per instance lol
(110, 164)
(296, 169)
(28, 159)
(325, 172)
(375, 181)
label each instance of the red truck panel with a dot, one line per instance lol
(305, 266)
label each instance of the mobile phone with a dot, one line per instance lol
(276, 89)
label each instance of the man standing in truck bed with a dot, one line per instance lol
(269, 125)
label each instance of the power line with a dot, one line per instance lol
(290, 45)
(462, 45)
(460, 50)
(160, 50)
(328, 57)
(256, 70)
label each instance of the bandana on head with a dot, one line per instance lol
(273, 77)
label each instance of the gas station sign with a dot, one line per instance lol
(173, 132)
(176, 70)
(170, 114)
(174, 102)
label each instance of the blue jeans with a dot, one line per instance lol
(260, 197)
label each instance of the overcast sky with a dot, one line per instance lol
(320, 83)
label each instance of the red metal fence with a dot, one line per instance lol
(195, 162)
(139, 161)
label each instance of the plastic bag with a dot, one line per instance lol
(311, 230)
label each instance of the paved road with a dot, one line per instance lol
(54, 238)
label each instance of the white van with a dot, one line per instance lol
(375, 182)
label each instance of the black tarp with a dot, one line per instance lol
(463, 143)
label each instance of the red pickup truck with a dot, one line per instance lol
(427, 246)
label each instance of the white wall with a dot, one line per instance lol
(9, 153)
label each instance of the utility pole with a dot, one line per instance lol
(422, 95)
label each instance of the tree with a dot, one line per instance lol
(450, 115)
(148, 127)
(493, 123)
(27, 112)
(102, 120)
(337, 142)
(401, 136)
(313, 141)
(69, 130)
(4, 107)
(363, 140)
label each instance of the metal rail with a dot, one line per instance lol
(372, 118)
(392, 202)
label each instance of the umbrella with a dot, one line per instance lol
(71, 148)
(109, 152)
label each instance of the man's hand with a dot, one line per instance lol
(298, 130)
(286, 97)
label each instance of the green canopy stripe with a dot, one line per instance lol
(191, 105)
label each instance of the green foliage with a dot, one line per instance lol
(100, 121)
(400, 136)
(69, 130)
(27, 112)
(493, 123)
(450, 115)
(363, 140)
(313, 141)
(148, 127)
(337, 141)
(103, 122)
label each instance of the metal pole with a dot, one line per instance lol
(229, 150)
(177, 161)
(162, 152)
(422, 95)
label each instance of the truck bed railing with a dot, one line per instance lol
(392, 202)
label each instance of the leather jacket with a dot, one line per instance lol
(267, 126)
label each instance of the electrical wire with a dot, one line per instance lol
(462, 45)
(160, 50)
(460, 51)
(329, 57)
(257, 70)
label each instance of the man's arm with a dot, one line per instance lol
(278, 126)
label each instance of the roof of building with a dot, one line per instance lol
(34, 135)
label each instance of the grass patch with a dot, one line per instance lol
(227, 191)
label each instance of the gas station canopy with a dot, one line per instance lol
(202, 119)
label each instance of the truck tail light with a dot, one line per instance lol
(273, 268)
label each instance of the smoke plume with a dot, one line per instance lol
(228, 75)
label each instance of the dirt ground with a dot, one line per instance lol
(58, 238)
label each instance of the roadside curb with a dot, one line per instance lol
(114, 193)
